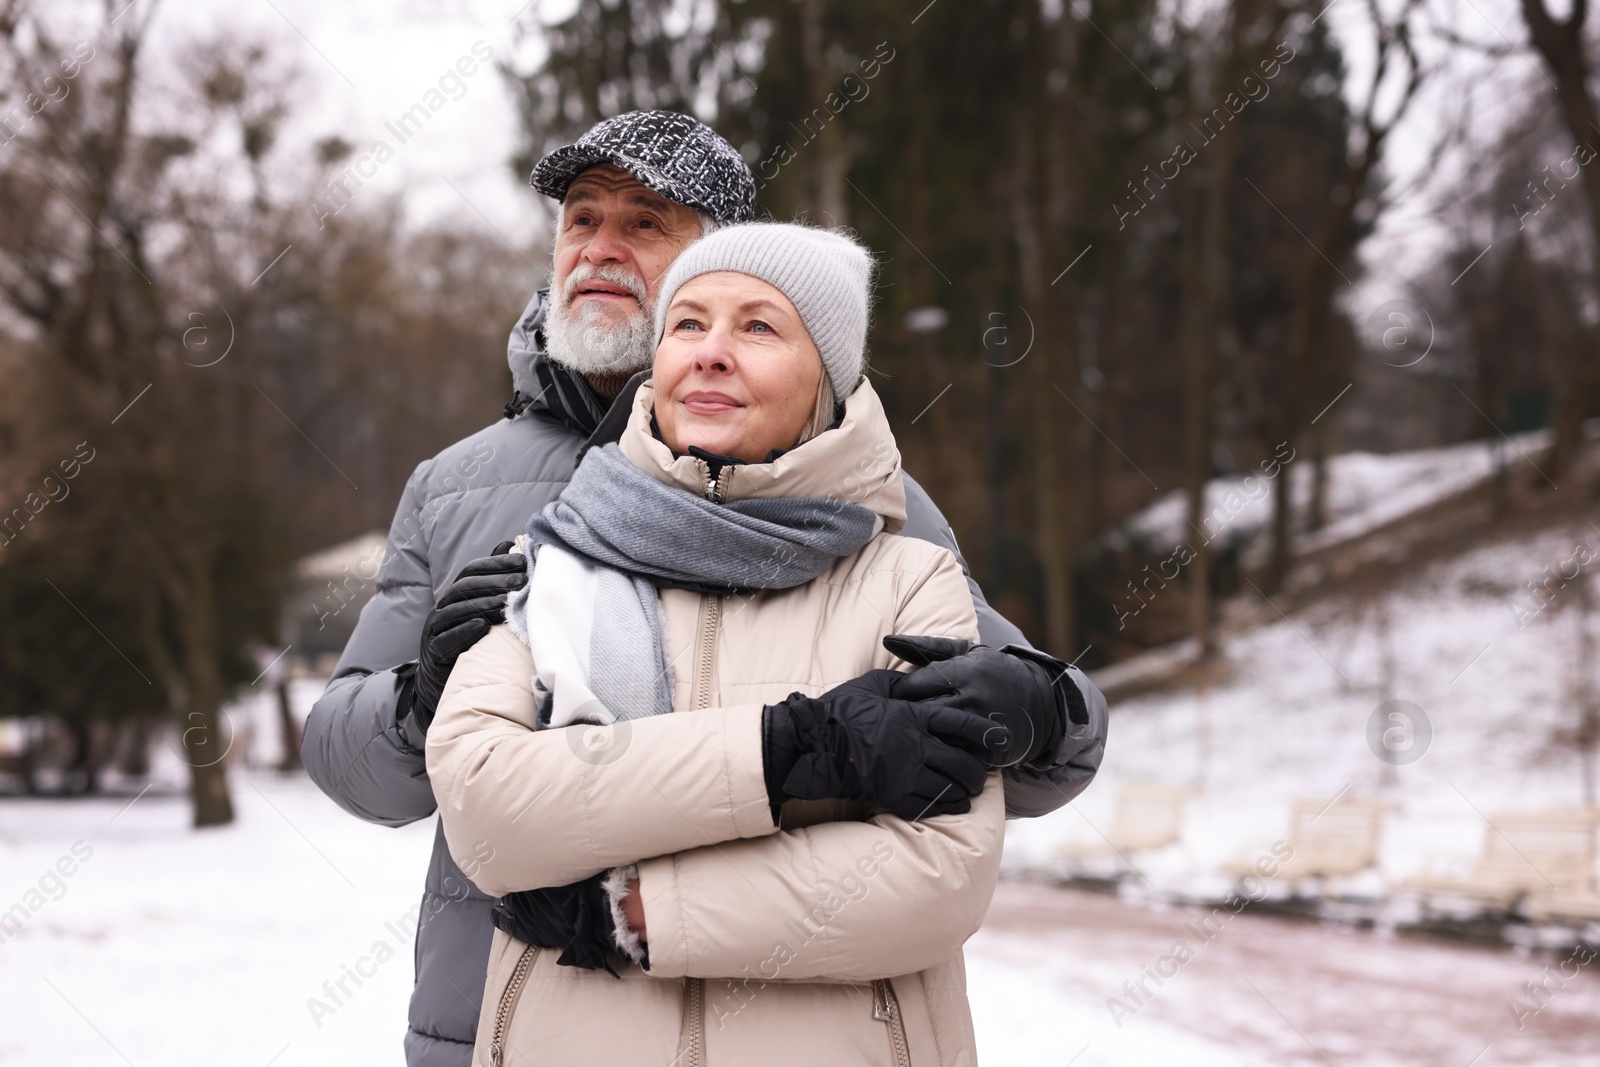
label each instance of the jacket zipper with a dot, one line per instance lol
(710, 609)
(508, 1003)
(693, 1041)
(694, 1019)
(886, 1008)
(706, 661)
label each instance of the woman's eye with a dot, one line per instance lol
(760, 327)
(687, 324)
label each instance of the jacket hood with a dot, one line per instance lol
(525, 348)
(856, 462)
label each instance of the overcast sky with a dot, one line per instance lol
(364, 64)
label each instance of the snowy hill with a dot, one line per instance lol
(1365, 491)
(1492, 668)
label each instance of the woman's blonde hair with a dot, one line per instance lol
(822, 413)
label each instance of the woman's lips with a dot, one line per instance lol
(710, 403)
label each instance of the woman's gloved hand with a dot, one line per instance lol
(859, 742)
(574, 917)
(1025, 693)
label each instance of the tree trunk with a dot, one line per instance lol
(1050, 379)
(80, 774)
(1562, 46)
(205, 743)
(830, 159)
(1197, 344)
(208, 782)
(1574, 397)
(288, 728)
(1314, 283)
(1208, 318)
(1317, 512)
(133, 757)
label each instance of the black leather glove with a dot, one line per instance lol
(857, 742)
(474, 603)
(1026, 693)
(576, 918)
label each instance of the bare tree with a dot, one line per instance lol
(105, 248)
(1249, 29)
(1395, 53)
(1561, 43)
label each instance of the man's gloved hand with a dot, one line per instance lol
(1017, 689)
(576, 918)
(463, 615)
(858, 742)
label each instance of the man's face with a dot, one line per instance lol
(616, 242)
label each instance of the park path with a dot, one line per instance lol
(1262, 989)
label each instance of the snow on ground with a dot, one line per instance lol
(1492, 671)
(175, 947)
(172, 946)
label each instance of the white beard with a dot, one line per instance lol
(585, 342)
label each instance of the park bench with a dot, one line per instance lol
(1329, 840)
(1145, 816)
(1569, 905)
(1543, 858)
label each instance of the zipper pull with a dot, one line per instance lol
(494, 1055)
(716, 494)
(711, 483)
(881, 1010)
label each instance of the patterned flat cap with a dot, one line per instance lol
(684, 160)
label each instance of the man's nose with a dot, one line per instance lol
(608, 245)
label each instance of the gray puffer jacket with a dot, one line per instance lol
(456, 507)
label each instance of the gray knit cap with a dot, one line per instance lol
(824, 273)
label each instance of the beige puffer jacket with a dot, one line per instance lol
(834, 939)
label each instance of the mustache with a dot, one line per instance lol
(615, 275)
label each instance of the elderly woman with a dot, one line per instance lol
(776, 864)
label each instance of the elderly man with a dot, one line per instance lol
(633, 193)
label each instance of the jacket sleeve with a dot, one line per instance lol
(926, 522)
(552, 807)
(352, 747)
(1030, 791)
(847, 900)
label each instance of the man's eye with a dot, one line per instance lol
(583, 220)
(649, 224)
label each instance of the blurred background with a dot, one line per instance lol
(1250, 347)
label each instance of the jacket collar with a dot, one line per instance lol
(856, 462)
(525, 348)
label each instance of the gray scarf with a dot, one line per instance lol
(639, 534)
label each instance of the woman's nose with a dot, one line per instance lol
(715, 353)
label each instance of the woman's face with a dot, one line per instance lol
(735, 372)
